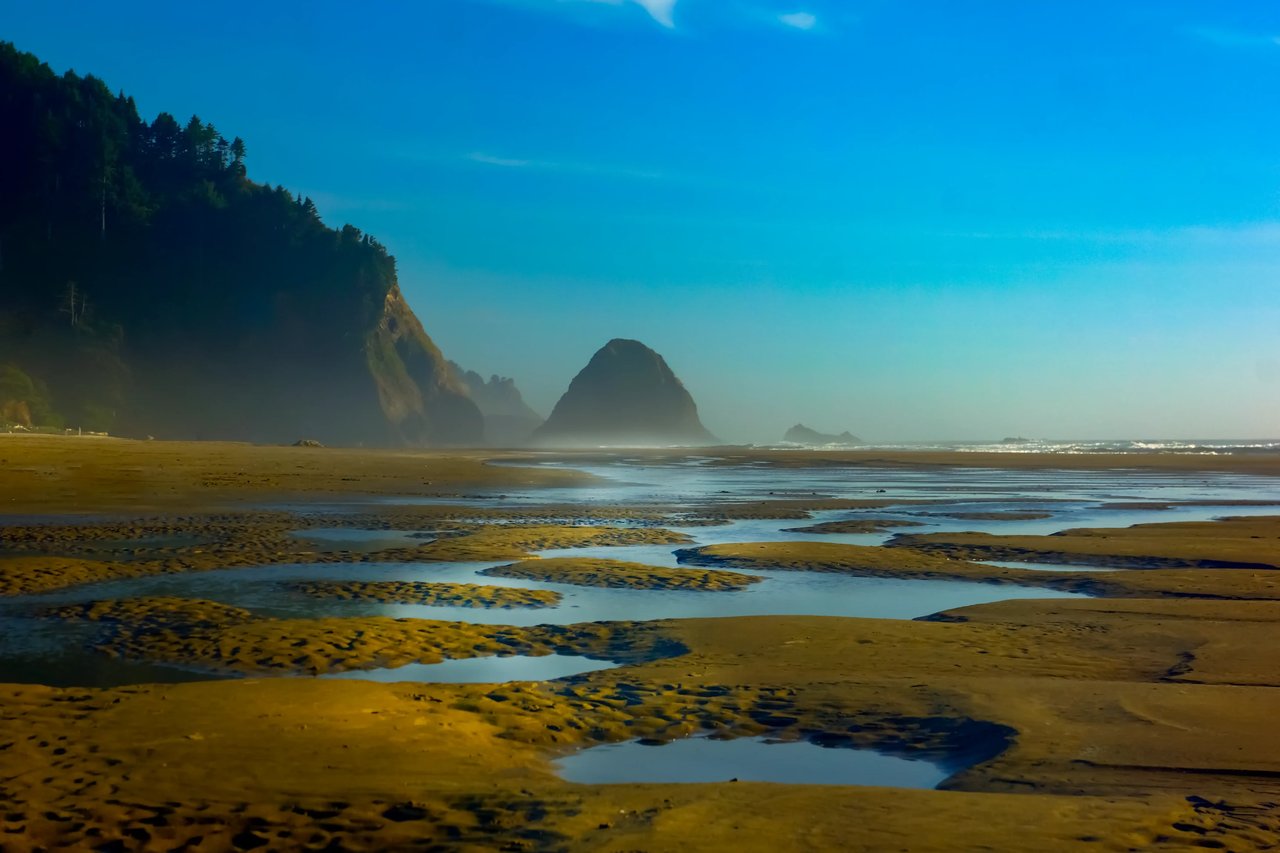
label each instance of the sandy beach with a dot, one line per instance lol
(1140, 717)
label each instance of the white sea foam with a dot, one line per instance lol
(1198, 447)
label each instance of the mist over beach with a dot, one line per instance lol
(665, 425)
(915, 223)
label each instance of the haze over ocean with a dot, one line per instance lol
(912, 220)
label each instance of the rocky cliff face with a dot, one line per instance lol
(303, 374)
(801, 434)
(420, 398)
(148, 286)
(508, 420)
(626, 395)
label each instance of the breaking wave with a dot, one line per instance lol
(1201, 447)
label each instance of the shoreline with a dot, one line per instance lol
(53, 475)
(1265, 464)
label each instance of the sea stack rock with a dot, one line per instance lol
(626, 395)
(801, 434)
(508, 420)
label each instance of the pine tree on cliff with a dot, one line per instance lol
(222, 307)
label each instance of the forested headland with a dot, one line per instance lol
(148, 285)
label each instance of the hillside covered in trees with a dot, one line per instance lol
(148, 286)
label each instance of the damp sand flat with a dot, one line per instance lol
(265, 592)
(642, 482)
(216, 756)
(1073, 498)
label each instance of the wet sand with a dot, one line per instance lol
(1178, 560)
(620, 574)
(1232, 543)
(429, 594)
(209, 635)
(1143, 721)
(41, 474)
(858, 525)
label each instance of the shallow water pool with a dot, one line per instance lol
(56, 652)
(703, 759)
(486, 670)
(265, 591)
(1045, 567)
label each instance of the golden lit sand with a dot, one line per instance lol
(582, 571)
(263, 539)
(1098, 744)
(1141, 721)
(934, 557)
(516, 542)
(24, 575)
(214, 636)
(429, 594)
(854, 525)
(1247, 542)
(42, 473)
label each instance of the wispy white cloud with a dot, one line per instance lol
(799, 20)
(706, 15)
(1262, 235)
(490, 160)
(418, 152)
(603, 170)
(1233, 38)
(661, 11)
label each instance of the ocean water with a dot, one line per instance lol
(702, 759)
(1198, 446)
(485, 670)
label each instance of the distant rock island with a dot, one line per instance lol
(148, 286)
(1015, 439)
(801, 434)
(508, 420)
(626, 395)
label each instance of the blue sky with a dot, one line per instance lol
(912, 220)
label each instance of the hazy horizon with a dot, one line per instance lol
(914, 221)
